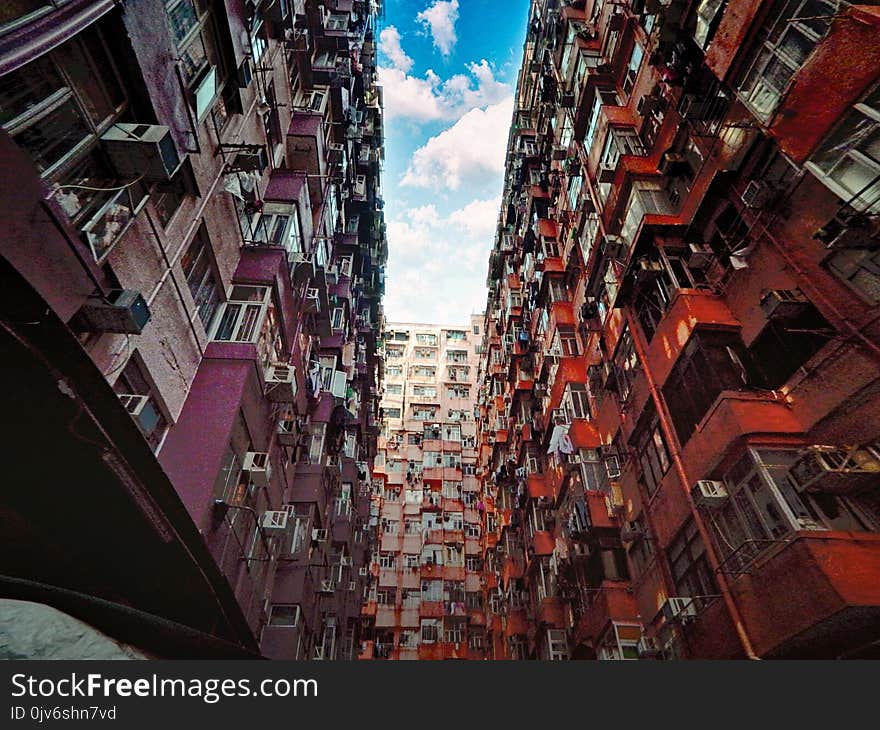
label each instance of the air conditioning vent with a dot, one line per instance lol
(319, 535)
(123, 312)
(254, 161)
(141, 150)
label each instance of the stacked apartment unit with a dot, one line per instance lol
(679, 392)
(193, 257)
(425, 597)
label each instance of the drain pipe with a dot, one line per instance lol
(675, 454)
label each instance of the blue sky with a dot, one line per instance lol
(448, 69)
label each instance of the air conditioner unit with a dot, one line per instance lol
(319, 535)
(123, 311)
(649, 648)
(701, 256)
(333, 461)
(141, 409)
(612, 466)
(281, 383)
(258, 467)
(364, 571)
(345, 561)
(275, 520)
(758, 194)
(335, 153)
(672, 164)
(288, 431)
(708, 493)
(566, 100)
(254, 161)
(612, 246)
(605, 174)
(695, 106)
(141, 150)
(678, 608)
(781, 305)
(631, 532)
(327, 586)
(560, 417)
(352, 585)
(312, 301)
(560, 152)
(836, 470)
(302, 267)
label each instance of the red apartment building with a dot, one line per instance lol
(680, 379)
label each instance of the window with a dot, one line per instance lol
(284, 614)
(632, 68)
(134, 381)
(198, 268)
(55, 106)
(392, 412)
(792, 31)
(860, 268)
(476, 329)
(690, 568)
(626, 365)
(430, 630)
(277, 225)
(576, 401)
(169, 195)
(386, 596)
(394, 389)
(652, 453)
(711, 362)
(848, 161)
(602, 96)
(387, 560)
(764, 505)
(240, 317)
(647, 197)
(192, 29)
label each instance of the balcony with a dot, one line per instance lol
(814, 596)
(596, 608)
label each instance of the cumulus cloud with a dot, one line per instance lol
(439, 19)
(437, 262)
(389, 42)
(470, 152)
(429, 98)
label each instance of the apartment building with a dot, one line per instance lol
(193, 254)
(679, 396)
(425, 595)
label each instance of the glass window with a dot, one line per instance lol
(848, 161)
(690, 569)
(198, 268)
(788, 38)
(241, 316)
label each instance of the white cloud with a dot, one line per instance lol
(437, 262)
(429, 98)
(470, 152)
(439, 18)
(389, 41)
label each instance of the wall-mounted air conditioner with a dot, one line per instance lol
(709, 493)
(141, 150)
(257, 467)
(122, 311)
(281, 383)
